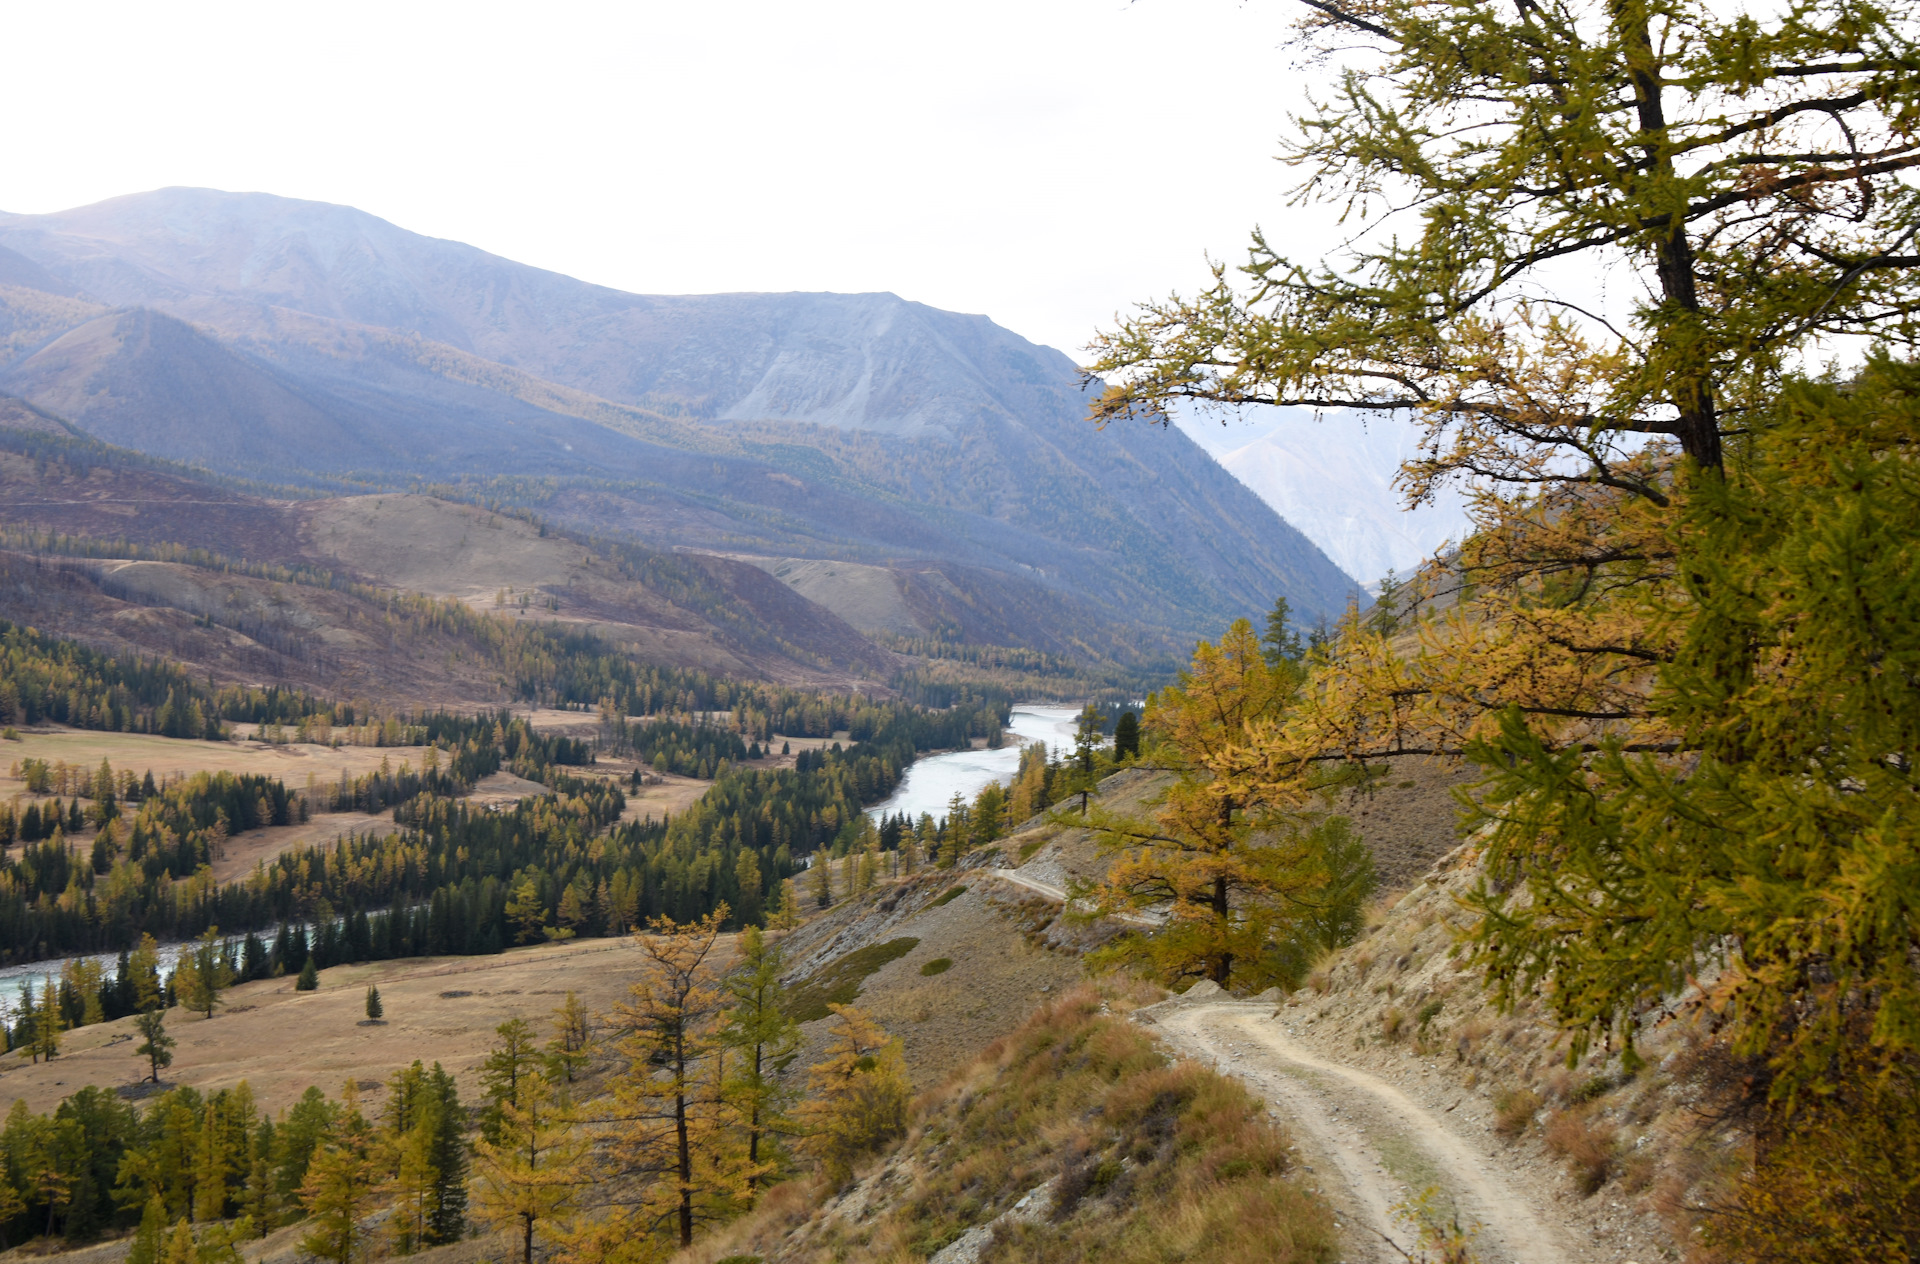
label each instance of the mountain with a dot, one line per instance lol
(1333, 477)
(300, 343)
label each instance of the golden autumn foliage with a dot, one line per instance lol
(1243, 885)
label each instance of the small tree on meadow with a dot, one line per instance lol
(203, 974)
(567, 1052)
(156, 1046)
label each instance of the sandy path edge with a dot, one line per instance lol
(1310, 1092)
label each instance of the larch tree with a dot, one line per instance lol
(673, 1123)
(568, 1050)
(342, 1182)
(203, 973)
(1680, 636)
(858, 1094)
(505, 1070)
(1231, 879)
(763, 1040)
(533, 1173)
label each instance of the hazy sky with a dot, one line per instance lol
(1045, 162)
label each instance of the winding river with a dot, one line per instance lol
(930, 783)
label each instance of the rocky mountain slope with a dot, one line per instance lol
(299, 342)
(1333, 477)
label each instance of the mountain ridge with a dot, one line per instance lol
(853, 427)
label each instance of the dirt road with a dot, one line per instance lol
(1059, 896)
(1374, 1145)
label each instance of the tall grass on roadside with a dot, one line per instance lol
(1145, 1159)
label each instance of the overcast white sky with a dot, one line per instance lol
(1046, 162)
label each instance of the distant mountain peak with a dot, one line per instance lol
(326, 342)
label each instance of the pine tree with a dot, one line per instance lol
(309, 980)
(1280, 644)
(446, 1216)
(374, 1008)
(1126, 736)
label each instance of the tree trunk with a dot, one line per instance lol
(1691, 393)
(1223, 961)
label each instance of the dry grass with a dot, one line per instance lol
(280, 1041)
(1149, 1160)
(1588, 1144)
(1513, 1111)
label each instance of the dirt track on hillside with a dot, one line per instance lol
(1374, 1145)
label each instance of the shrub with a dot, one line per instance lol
(838, 982)
(1393, 1020)
(1594, 1086)
(1514, 1109)
(949, 897)
(1587, 1144)
(939, 965)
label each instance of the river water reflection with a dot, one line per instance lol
(931, 782)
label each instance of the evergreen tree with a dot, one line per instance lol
(156, 1046)
(309, 979)
(374, 1008)
(447, 1155)
(1280, 643)
(1126, 736)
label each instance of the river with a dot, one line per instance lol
(928, 786)
(930, 783)
(14, 979)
